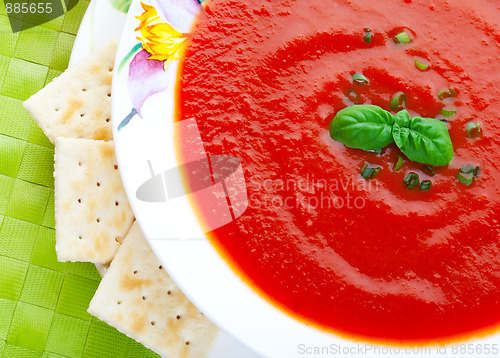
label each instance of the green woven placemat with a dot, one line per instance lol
(43, 302)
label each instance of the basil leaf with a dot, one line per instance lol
(423, 140)
(363, 126)
(400, 131)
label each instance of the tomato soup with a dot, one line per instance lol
(370, 259)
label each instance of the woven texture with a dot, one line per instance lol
(43, 302)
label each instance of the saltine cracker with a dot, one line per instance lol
(92, 212)
(139, 298)
(77, 104)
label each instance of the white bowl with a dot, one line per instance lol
(178, 239)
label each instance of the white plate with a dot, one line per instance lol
(145, 148)
(101, 24)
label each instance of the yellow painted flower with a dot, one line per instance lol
(161, 40)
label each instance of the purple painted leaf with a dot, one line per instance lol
(146, 77)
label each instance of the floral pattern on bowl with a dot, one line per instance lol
(162, 35)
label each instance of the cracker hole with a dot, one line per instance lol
(160, 267)
(187, 343)
(81, 115)
(144, 298)
(80, 201)
(117, 239)
(178, 317)
(98, 220)
(80, 237)
(116, 203)
(135, 272)
(153, 323)
(116, 167)
(79, 164)
(84, 89)
(110, 69)
(98, 184)
(109, 94)
(119, 302)
(107, 120)
(169, 292)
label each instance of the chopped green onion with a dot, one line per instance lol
(447, 113)
(399, 163)
(429, 170)
(465, 178)
(473, 129)
(467, 169)
(398, 102)
(368, 36)
(470, 169)
(422, 64)
(411, 181)
(425, 185)
(352, 96)
(451, 93)
(368, 171)
(402, 38)
(360, 79)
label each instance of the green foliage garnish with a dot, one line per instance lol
(369, 171)
(477, 171)
(411, 181)
(368, 36)
(398, 102)
(399, 163)
(429, 170)
(468, 173)
(368, 127)
(352, 96)
(470, 169)
(465, 178)
(425, 185)
(447, 113)
(451, 93)
(360, 79)
(402, 38)
(422, 65)
(364, 127)
(473, 129)
(467, 169)
(423, 140)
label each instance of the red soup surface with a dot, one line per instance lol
(363, 258)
